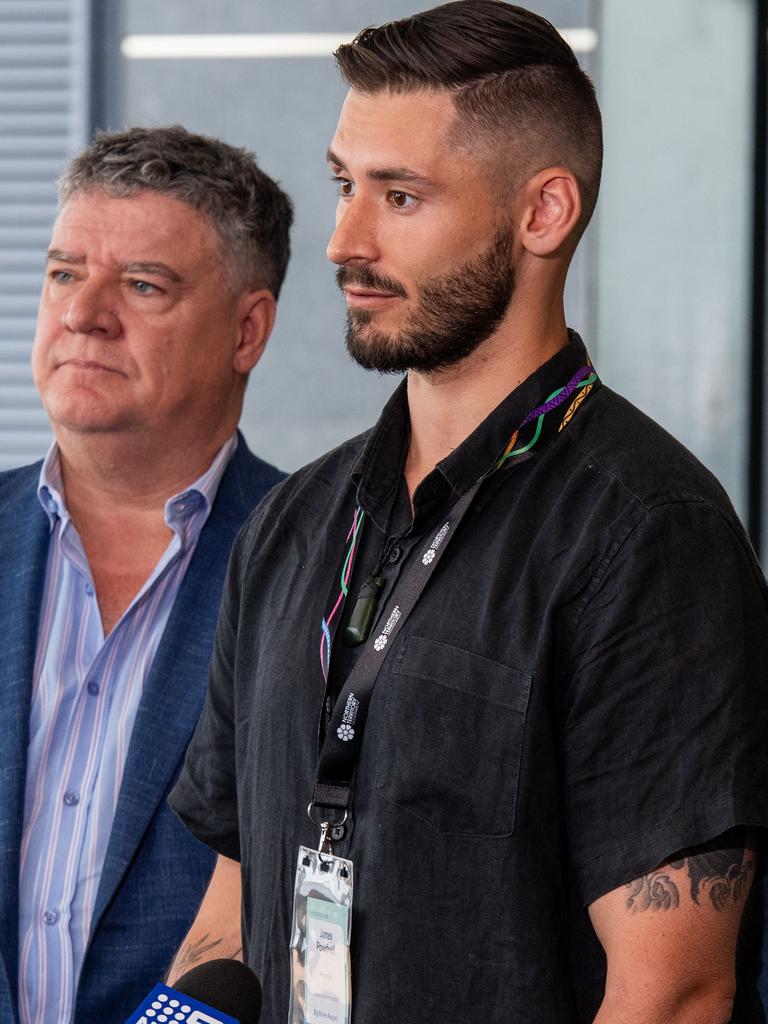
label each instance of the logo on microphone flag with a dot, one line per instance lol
(165, 1005)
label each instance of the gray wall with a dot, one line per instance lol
(674, 226)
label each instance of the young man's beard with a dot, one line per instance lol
(455, 314)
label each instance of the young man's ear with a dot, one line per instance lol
(551, 211)
(257, 318)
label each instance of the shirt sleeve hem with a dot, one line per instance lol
(225, 843)
(637, 855)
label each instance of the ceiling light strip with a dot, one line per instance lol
(274, 44)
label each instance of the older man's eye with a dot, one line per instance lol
(145, 288)
(60, 276)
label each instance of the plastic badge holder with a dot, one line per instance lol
(165, 1005)
(321, 984)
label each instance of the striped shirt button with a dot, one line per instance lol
(93, 687)
(89, 589)
(71, 799)
(50, 917)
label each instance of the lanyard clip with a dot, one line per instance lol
(325, 838)
(329, 830)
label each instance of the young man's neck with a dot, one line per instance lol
(448, 405)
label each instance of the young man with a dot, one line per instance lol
(162, 275)
(543, 733)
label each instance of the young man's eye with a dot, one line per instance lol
(344, 187)
(401, 200)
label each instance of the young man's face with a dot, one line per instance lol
(424, 254)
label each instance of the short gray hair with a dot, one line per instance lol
(250, 212)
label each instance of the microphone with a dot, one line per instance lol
(216, 992)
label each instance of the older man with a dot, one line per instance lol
(160, 288)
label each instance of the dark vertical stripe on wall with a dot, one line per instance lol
(759, 268)
(106, 71)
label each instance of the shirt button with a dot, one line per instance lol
(93, 687)
(394, 555)
(50, 916)
(89, 589)
(71, 799)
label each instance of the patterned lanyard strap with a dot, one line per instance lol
(546, 425)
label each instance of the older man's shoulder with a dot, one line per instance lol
(19, 483)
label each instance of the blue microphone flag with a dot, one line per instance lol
(165, 1005)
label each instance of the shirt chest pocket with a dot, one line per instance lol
(452, 738)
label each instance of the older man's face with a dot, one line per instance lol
(138, 320)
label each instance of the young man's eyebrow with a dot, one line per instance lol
(398, 174)
(385, 173)
(331, 158)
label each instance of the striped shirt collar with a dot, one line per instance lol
(179, 508)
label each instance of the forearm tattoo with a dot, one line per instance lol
(717, 875)
(195, 952)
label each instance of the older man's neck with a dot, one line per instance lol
(108, 471)
(116, 496)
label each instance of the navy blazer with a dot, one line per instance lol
(155, 872)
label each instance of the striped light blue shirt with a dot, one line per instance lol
(85, 694)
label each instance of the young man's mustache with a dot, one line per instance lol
(364, 277)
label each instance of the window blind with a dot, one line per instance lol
(44, 78)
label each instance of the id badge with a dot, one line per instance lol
(321, 983)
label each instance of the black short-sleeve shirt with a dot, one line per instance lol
(579, 694)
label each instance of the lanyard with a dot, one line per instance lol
(343, 738)
(341, 729)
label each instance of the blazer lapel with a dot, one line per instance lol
(25, 531)
(175, 687)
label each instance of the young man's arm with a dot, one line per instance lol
(216, 931)
(670, 937)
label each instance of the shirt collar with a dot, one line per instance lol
(378, 470)
(179, 509)
(50, 492)
(200, 495)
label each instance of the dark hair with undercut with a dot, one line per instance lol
(517, 86)
(250, 212)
